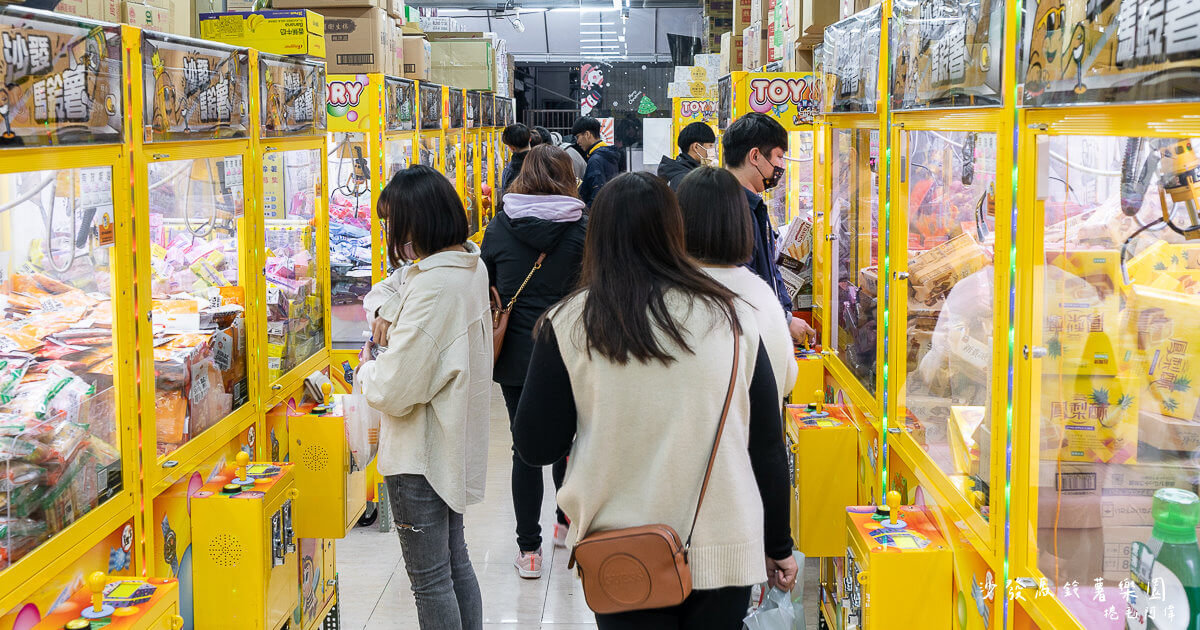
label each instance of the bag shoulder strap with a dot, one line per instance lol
(712, 457)
(537, 264)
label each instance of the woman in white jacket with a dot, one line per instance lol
(433, 384)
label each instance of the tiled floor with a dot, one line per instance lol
(375, 590)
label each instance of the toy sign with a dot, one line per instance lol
(291, 96)
(792, 98)
(946, 53)
(690, 110)
(194, 90)
(62, 81)
(400, 103)
(350, 100)
(1104, 51)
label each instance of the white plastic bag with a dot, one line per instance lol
(362, 427)
(775, 613)
(781, 610)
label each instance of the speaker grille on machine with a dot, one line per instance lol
(315, 457)
(225, 550)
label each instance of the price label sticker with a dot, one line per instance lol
(200, 385)
(223, 351)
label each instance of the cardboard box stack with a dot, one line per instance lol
(718, 19)
(418, 57)
(505, 71)
(361, 36)
(282, 32)
(732, 52)
(465, 63)
(754, 43)
(1094, 512)
(438, 24)
(698, 80)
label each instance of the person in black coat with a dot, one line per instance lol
(695, 149)
(516, 137)
(541, 215)
(604, 162)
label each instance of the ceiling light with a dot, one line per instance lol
(517, 24)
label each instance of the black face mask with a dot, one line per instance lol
(772, 180)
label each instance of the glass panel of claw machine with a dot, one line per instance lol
(400, 110)
(854, 223)
(293, 93)
(350, 207)
(951, 307)
(430, 95)
(59, 441)
(196, 213)
(295, 324)
(1120, 373)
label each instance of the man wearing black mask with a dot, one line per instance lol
(754, 148)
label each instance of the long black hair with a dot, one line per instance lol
(634, 254)
(420, 206)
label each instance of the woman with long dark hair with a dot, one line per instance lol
(629, 375)
(533, 250)
(432, 382)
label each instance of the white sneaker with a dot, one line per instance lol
(529, 564)
(560, 535)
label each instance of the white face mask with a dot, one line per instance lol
(708, 155)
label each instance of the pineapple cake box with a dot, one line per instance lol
(1168, 350)
(1089, 418)
(1081, 318)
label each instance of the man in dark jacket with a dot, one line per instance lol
(603, 161)
(695, 148)
(754, 148)
(516, 138)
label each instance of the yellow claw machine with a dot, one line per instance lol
(1105, 473)
(951, 144)
(198, 218)
(356, 175)
(477, 158)
(430, 108)
(291, 150)
(400, 110)
(458, 154)
(68, 381)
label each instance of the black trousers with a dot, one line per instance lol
(527, 486)
(717, 609)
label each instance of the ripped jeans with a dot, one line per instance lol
(435, 556)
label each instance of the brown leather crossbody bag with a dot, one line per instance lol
(500, 312)
(639, 568)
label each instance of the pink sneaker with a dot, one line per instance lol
(560, 535)
(529, 564)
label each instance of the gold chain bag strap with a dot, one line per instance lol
(639, 568)
(500, 312)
